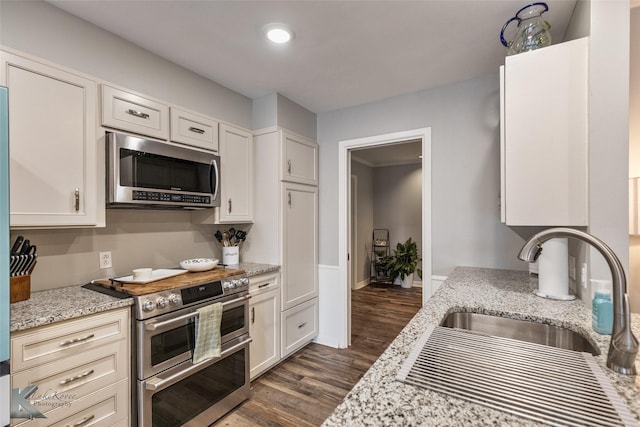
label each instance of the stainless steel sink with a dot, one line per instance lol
(522, 330)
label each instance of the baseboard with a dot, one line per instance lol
(361, 284)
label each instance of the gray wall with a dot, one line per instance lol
(397, 203)
(43, 30)
(277, 110)
(634, 150)
(465, 170)
(136, 239)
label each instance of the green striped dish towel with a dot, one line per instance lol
(208, 333)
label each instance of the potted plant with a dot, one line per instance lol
(402, 264)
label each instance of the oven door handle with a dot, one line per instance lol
(156, 383)
(152, 326)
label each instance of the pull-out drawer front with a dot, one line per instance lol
(106, 407)
(299, 326)
(129, 112)
(74, 377)
(192, 129)
(65, 339)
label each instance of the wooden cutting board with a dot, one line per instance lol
(169, 283)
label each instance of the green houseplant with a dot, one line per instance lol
(403, 262)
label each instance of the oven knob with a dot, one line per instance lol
(245, 281)
(174, 299)
(148, 305)
(161, 302)
(227, 285)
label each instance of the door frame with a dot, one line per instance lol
(344, 179)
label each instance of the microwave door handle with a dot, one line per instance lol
(214, 172)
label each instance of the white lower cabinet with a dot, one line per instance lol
(299, 326)
(264, 326)
(80, 369)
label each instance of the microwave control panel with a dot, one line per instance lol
(157, 196)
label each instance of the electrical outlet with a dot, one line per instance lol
(105, 260)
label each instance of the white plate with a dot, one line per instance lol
(199, 264)
(159, 274)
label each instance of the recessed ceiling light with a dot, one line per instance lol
(279, 33)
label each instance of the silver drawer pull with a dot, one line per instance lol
(264, 285)
(82, 421)
(76, 378)
(196, 130)
(76, 340)
(289, 166)
(137, 113)
(76, 196)
(302, 325)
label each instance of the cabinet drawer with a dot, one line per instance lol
(129, 112)
(77, 376)
(263, 283)
(299, 326)
(65, 339)
(106, 407)
(193, 129)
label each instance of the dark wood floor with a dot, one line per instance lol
(306, 388)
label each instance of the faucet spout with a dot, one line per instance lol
(624, 345)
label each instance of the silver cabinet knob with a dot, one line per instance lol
(148, 305)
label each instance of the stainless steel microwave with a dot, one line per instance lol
(143, 173)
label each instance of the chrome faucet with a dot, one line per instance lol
(623, 346)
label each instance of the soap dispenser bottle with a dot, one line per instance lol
(602, 307)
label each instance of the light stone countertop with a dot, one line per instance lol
(56, 305)
(378, 399)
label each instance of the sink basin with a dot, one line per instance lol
(522, 330)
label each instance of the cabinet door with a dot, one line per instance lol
(546, 133)
(300, 248)
(264, 328)
(299, 159)
(236, 158)
(193, 129)
(52, 134)
(299, 326)
(134, 113)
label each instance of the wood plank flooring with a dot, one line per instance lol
(305, 389)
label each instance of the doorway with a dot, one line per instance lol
(423, 136)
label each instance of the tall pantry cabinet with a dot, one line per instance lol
(286, 230)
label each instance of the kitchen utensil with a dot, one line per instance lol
(26, 245)
(232, 233)
(218, 236)
(15, 249)
(532, 31)
(225, 239)
(199, 264)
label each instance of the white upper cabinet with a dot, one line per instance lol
(299, 159)
(544, 136)
(193, 129)
(134, 113)
(236, 170)
(52, 133)
(236, 179)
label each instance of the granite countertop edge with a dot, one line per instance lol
(379, 399)
(56, 305)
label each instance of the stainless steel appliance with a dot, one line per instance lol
(170, 389)
(143, 173)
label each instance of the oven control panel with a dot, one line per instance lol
(154, 304)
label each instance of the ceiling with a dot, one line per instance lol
(344, 53)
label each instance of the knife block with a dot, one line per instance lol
(19, 288)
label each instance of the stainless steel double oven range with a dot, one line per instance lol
(171, 390)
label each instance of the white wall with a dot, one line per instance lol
(397, 194)
(364, 225)
(277, 110)
(465, 174)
